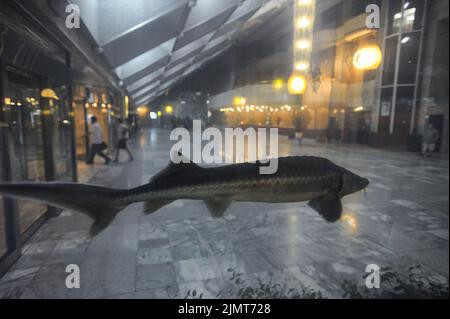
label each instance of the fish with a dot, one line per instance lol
(298, 179)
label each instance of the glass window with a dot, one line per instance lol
(389, 61)
(80, 129)
(2, 212)
(330, 19)
(86, 107)
(358, 7)
(385, 110)
(28, 153)
(409, 20)
(2, 215)
(403, 110)
(100, 111)
(394, 16)
(439, 78)
(62, 135)
(412, 15)
(408, 58)
(2, 230)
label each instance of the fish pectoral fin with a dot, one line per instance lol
(153, 205)
(218, 206)
(328, 206)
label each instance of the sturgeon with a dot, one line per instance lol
(298, 178)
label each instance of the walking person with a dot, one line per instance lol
(430, 139)
(122, 142)
(98, 145)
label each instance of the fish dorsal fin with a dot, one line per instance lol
(173, 169)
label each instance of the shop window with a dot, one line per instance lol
(412, 15)
(403, 110)
(389, 61)
(439, 78)
(330, 19)
(80, 131)
(96, 104)
(385, 110)
(28, 153)
(408, 58)
(62, 134)
(3, 247)
(358, 7)
(394, 16)
(408, 20)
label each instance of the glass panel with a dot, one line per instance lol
(28, 154)
(403, 109)
(439, 77)
(102, 117)
(62, 135)
(389, 61)
(408, 58)
(3, 247)
(80, 131)
(394, 16)
(358, 7)
(412, 15)
(385, 110)
(2, 230)
(331, 18)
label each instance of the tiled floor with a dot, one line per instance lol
(403, 220)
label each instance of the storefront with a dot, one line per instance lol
(89, 101)
(36, 128)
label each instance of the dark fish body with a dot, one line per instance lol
(299, 178)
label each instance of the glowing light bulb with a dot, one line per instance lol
(297, 84)
(304, 2)
(303, 22)
(169, 109)
(367, 58)
(303, 44)
(278, 84)
(301, 66)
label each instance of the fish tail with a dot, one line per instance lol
(100, 203)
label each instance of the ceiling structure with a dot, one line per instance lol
(153, 44)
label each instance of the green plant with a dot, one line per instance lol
(405, 282)
(192, 294)
(266, 290)
(411, 282)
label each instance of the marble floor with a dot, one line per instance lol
(402, 221)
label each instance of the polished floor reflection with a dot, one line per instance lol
(401, 221)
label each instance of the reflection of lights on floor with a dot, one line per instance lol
(350, 221)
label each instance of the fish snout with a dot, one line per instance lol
(353, 183)
(364, 183)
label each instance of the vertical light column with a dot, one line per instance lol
(304, 11)
(126, 106)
